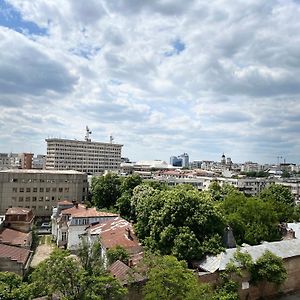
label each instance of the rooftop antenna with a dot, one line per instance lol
(87, 134)
(111, 138)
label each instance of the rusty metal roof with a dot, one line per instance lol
(283, 249)
(18, 254)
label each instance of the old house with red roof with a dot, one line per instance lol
(69, 221)
(116, 232)
(15, 240)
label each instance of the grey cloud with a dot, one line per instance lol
(24, 69)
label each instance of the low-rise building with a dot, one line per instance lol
(39, 190)
(69, 221)
(289, 250)
(20, 219)
(14, 259)
(116, 232)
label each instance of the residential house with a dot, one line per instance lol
(69, 221)
(14, 259)
(116, 232)
(19, 218)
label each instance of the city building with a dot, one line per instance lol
(84, 156)
(180, 160)
(70, 220)
(39, 162)
(116, 232)
(39, 190)
(26, 160)
(185, 160)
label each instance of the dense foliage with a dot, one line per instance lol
(180, 221)
(188, 223)
(170, 279)
(117, 253)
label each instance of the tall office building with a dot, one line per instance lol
(84, 156)
(185, 160)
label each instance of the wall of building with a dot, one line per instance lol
(83, 156)
(8, 265)
(40, 190)
(262, 290)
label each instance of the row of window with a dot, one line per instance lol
(34, 207)
(41, 180)
(41, 190)
(33, 199)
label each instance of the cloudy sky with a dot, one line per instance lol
(162, 76)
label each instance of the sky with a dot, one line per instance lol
(162, 76)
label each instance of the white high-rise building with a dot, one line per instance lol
(83, 156)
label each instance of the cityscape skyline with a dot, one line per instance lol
(162, 77)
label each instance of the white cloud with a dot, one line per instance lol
(114, 65)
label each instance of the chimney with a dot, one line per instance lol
(129, 233)
(228, 238)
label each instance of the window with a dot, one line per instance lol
(41, 190)
(66, 189)
(27, 199)
(28, 190)
(41, 198)
(33, 198)
(21, 190)
(53, 198)
(47, 198)
(33, 207)
(47, 190)
(54, 189)
(60, 190)
(34, 189)
(14, 198)
(14, 189)
(63, 236)
(21, 199)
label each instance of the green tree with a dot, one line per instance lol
(269, 267)
(180, 221)
(170, 279)
(64, 275)
(117, 253)
(251, 219)
(106, 190)
(13, 288)
(124, 201)
(281, 199)
(90, 257)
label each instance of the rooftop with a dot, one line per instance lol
(34, 171)
(117, 231)
(81, 211)
(79, 141)
(18, 254)
(18, 211)
(14, 237)
(283, 249)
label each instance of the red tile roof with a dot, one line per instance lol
(18, 254)
(118, 231)
(123, 273)
(119, 270)
(65, 202)
(13, 237)
(82, 211)
(18, 211)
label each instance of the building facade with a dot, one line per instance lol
(40, 190)
(84, 156)
(70, 220)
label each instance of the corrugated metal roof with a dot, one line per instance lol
(283, 249)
